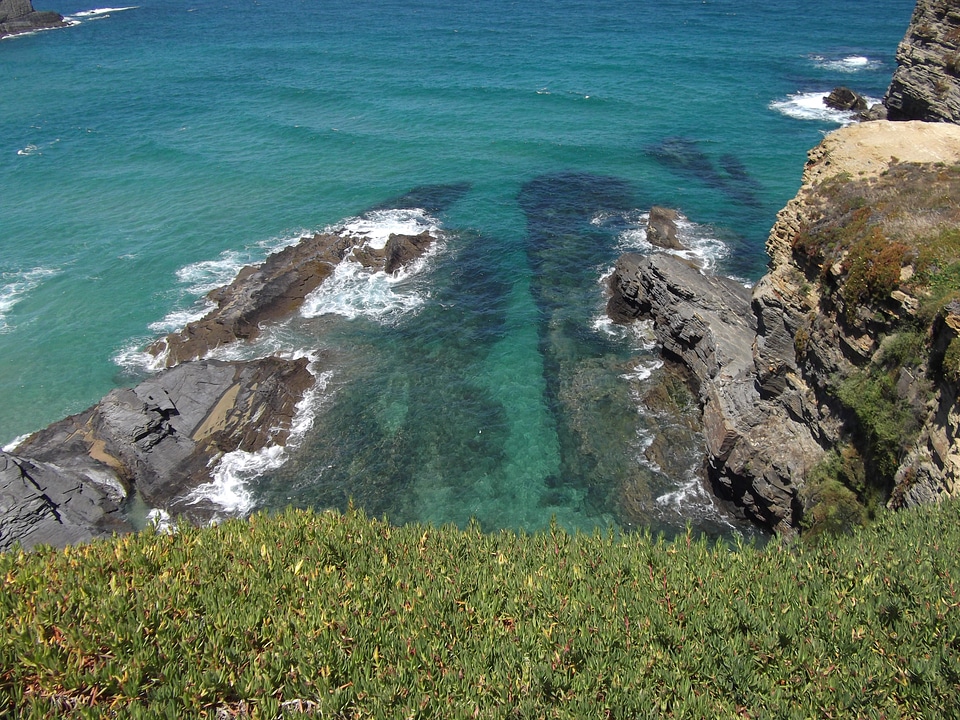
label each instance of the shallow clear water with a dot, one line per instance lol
(147, 153)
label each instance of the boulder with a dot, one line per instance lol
(843, 98)
(662, 228)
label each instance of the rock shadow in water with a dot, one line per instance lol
(430, 198)
(685, 157)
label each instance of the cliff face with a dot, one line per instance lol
(926, 84)
(834, 383)
(18, 16)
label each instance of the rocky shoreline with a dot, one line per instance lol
(769, 364)
(163, 439)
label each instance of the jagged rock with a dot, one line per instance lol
(662, 228)
(843, 98)
(18, 16)
(926, 83)
(276, 288)
(47, 504)
(160, 439)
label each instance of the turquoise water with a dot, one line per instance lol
(146, 153)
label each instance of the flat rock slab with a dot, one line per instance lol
(161, 439)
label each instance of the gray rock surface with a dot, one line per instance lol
(47, 504)
(926, 83)
(757, 453)
(662, 228)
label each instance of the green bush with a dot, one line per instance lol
(340, 616)
(885, 424)
(829, 495)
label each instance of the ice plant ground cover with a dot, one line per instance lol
(340, 615)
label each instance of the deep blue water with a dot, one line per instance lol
(146, 153)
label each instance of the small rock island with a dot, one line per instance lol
(18, 17)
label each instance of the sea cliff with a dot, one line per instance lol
(831, 386)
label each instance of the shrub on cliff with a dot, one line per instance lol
(340, 616)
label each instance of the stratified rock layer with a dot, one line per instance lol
(926, 84)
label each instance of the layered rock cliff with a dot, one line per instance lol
(926, 84)
(18, 16)
(834, 382)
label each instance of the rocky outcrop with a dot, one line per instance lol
(843, 98)
(757, 452)
(662, 228)
(769, 362)
(41, 503)
(18, 16)
(276, 289)
(161, 440)
(926, 84)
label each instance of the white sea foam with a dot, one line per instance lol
(132, 358)
(17, 284)
(12, 445)
(229, 488)
(36, 149)
(160, 521)
(702, 247)
(96, 14)
(379, 225)
(809, 106)
(643, 370)
(353, 291)
(848, 64)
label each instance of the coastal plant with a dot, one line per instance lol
(338, 615)
(830, 494)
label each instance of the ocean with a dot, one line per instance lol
(148, 152)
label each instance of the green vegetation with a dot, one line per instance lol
(886, 425)
(341, 616)
(830, 495)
